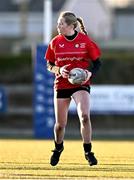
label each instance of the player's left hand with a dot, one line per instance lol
(89, 74)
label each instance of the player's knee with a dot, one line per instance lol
(84, 119)
(60, 126)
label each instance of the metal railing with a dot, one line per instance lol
(15, 95)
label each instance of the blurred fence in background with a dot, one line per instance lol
(117, 71)
(16, 120)
(19, 99)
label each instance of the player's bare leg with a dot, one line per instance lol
(81, 99)
(61, 112)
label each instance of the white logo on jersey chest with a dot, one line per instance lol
(61, 45)
(82, 45)
(77, 45)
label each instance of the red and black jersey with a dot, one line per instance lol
(77, 53)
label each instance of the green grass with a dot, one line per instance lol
(29, 159)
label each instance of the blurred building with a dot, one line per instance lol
(23, 19)
(97, 16)
(21, 22)
(124, 23)
(122, 29)
(19, 18)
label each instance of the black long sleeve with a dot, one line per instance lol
(95, 66)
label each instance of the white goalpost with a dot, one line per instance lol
(43, 82)
(47, 21)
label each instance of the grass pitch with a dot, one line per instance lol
(29, 159)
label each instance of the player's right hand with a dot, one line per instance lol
(64, 72)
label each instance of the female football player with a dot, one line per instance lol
(66, 51)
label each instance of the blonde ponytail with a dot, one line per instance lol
(81, 25)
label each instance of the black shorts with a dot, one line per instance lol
(67, 93)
